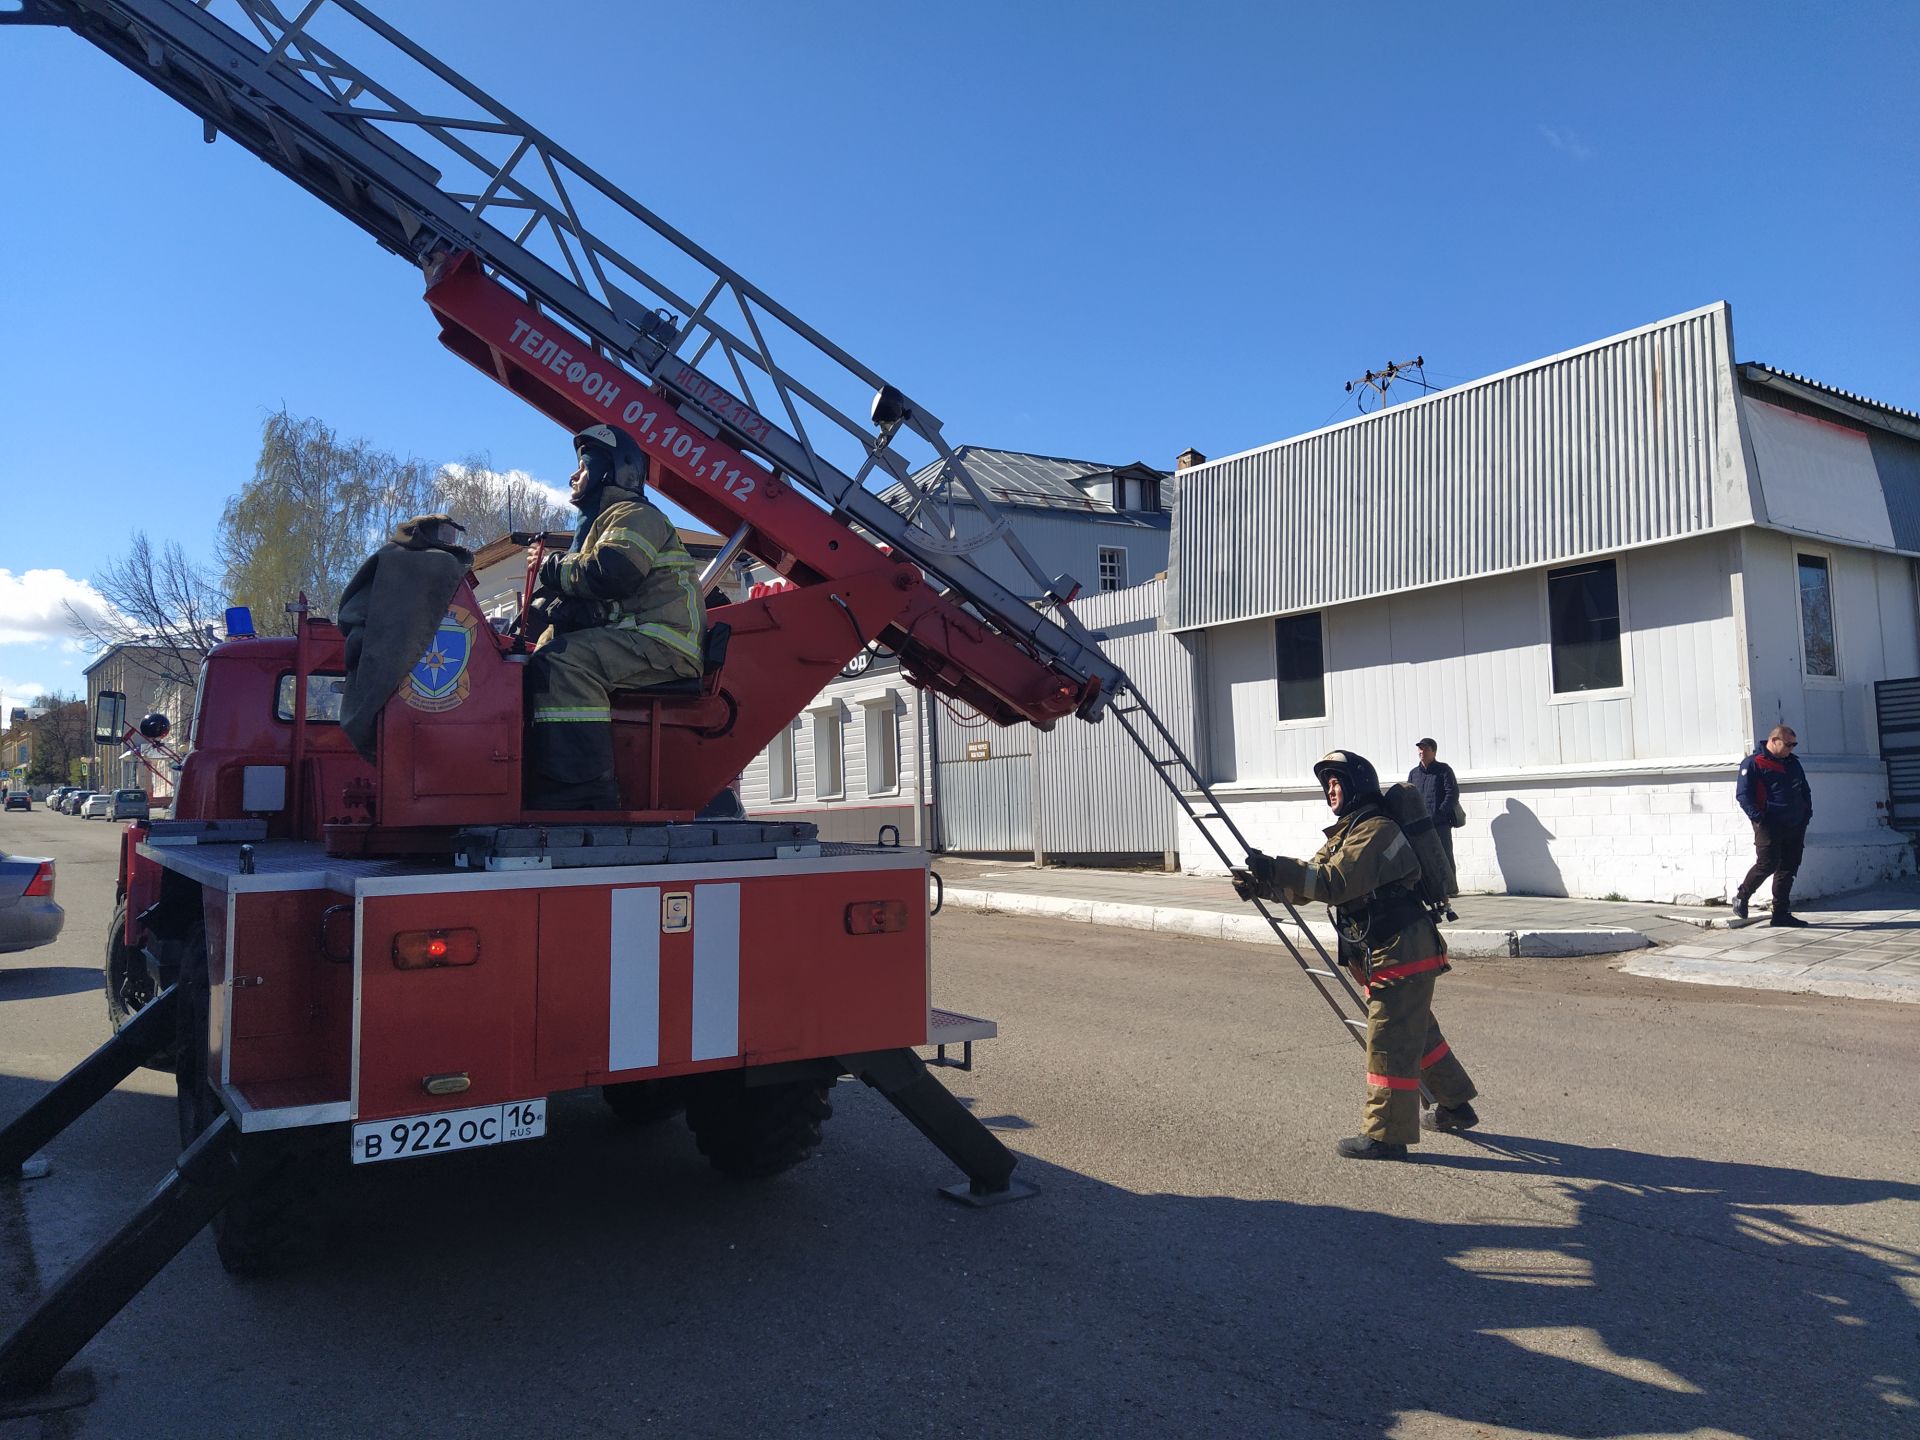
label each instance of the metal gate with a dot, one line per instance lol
(1897, 704)
(984, 794)
(1081, 792)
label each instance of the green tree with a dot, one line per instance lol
(314, 509)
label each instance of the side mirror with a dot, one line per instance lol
(109, 717)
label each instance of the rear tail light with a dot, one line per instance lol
(42, 882)
(432, 949)
(876, 917)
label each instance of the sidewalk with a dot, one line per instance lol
(1860, 946)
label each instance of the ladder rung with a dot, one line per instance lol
(1357, 1024)
(1328, 973)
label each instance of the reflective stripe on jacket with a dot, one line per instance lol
(1365, 853)
(631, 558)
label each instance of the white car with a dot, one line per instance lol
(98, 805)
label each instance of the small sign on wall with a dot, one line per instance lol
(979, 749)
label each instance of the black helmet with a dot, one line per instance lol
(1358, 779)
(626, 462)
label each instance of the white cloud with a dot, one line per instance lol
(32, 605)
(19, 692)
(1566, 142)
(557, 494)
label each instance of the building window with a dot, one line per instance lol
(1821, 655)
(1113, 567)
(883, 748)
(1583, 618)
(829, 772)
(780, 782)
(1300, 662)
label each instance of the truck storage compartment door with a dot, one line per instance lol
(466, 1011)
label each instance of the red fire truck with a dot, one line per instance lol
(394, 958)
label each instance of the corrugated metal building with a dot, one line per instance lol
(861, 756)
(1079, 793)
(1594, 580)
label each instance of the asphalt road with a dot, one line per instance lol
(1692, 1212)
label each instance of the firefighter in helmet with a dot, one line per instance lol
(1367, 872)
(619, 610)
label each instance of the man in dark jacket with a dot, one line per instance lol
(1435, 781)
(1773, 791)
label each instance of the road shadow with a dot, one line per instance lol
(37, 982)
(1522, 850)
(603, 1281)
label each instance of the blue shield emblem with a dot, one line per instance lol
(437, 674)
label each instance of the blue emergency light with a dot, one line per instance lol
(239, 621)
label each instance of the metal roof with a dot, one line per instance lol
(1871, 412)
(1044, 482)
(1629, 441)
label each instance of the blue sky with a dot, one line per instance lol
(1107, 231)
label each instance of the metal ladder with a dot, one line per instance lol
(320, 96)
(1148, 732)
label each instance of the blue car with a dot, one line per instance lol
(28, 916)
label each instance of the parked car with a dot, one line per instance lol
(52, 802)
(70, 801)
(28, 916)
(19, 800)
(79, 798)
(97, 806)
(129, 805)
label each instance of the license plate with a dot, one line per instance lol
(449, 1130)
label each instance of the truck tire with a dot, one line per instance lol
(129, 983)
(259, 1231)
(645, 1102)
(753, 1132)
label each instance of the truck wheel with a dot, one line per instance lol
(129, 983)
(259, 1231)
(750, 1133)
(645, 1102)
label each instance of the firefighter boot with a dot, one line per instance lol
(1365, 1147)
(1740, 898)
(1450, 1119)
(1783, 903)
(570, 767)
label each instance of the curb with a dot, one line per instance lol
(1252, 929)
(1760, 975)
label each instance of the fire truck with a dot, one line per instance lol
(394, 958)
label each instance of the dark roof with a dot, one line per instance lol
(1817, 392)
(1041, 482)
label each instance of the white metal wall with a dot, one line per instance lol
(1470, 665)
(1874, 614)
(1626, 442)
(848, 697)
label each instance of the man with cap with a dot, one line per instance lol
(1367, 873)
(1435, 781)
(619, 610)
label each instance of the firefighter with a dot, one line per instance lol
(619, 610)
(1367, 873)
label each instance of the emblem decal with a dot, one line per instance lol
(439, 680)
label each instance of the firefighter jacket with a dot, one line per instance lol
(630, 559)
(1774, 792)
(1368, 873)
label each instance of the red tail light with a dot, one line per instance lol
(432, 949)
(876, 917)
(42, 882)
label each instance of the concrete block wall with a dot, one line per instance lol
(1665, 838)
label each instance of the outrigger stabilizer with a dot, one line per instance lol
(210, 1172)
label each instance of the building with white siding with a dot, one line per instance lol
(861, 756)
(1595, 580)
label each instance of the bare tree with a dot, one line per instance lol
(492, 503)
(161, 606)
(59, 737)
(315, 507)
